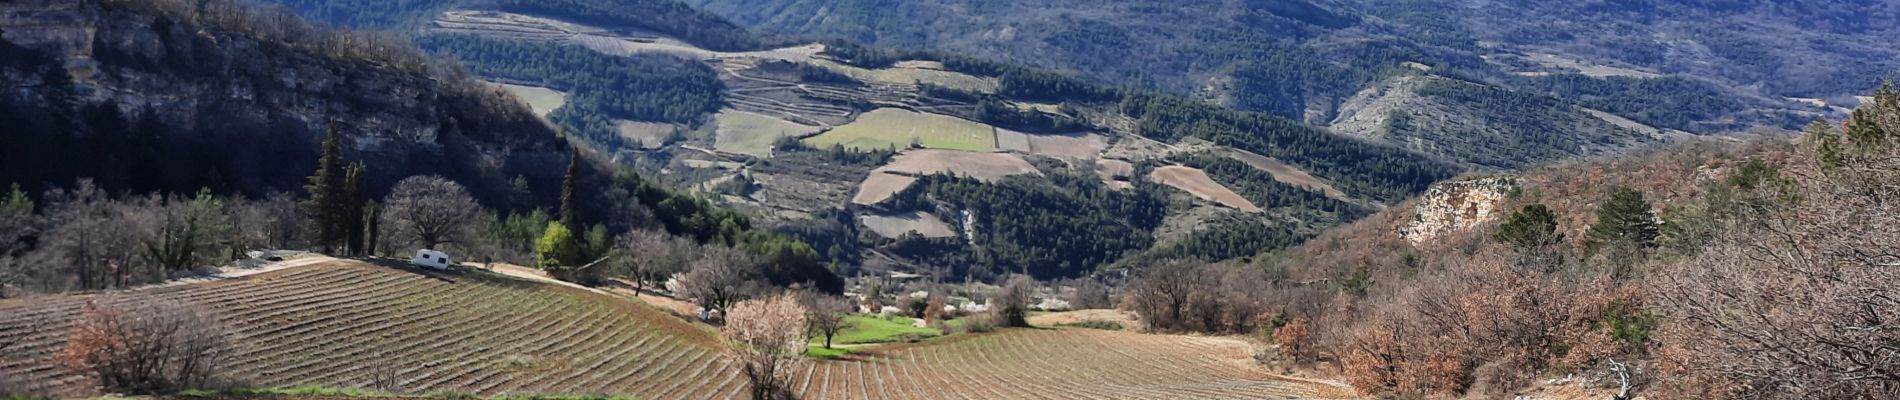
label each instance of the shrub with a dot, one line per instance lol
(978, 323)
(145, 346)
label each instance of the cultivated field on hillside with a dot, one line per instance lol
(984, 166)
(342, 323)
(886, 128)
(751, 133)
(880, 186)
(897, 224)
(1286, 173)
(1056, 364)
(335, 323)
(542, 100)
(651, 135)
(1196, 182)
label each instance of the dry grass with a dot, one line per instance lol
(542, 100)
(1286, 173)
(894, 225)
(982, 166)
(879, 187)
(752, 133)
(1196, 182)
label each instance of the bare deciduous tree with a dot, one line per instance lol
(768, 339)
(1012, 302)
(429, 211)
(827, 314)
(719, 278)
(650, 257)
(1091, 294)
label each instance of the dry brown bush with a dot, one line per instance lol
(1797, 297)
(143, 345)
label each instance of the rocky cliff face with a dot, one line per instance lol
(235, 100)
(1456, 207)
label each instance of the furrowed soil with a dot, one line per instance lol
(337, 323)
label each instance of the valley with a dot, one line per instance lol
(1043, 199)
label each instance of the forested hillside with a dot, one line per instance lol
(1299, 58)
(180, 135)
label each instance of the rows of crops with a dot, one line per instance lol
(357, 325)
(351, 324)
(1056, 364)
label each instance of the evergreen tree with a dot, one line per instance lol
(1626, 226)
(352, 207)
(326, 193)
(1625, 217)
(372, 227)
(568, 218)
(1531, 226)
(1532, 232)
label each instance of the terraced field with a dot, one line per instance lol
(337, 323)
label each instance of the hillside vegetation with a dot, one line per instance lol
(1705, 270)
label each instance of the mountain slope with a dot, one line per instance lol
(1299, 58)
(138, 97)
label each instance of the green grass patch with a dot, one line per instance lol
(886, 128)
(868, 329)
(818, 351)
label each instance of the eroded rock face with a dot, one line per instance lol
(1457, 206)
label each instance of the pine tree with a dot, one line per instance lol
(1625, 217)
(326, 192)
(568, 183)
(1627, 227)
(1531, 226)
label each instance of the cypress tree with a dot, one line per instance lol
(326, 191)
(568, 183)
(351, 207)
(372, 227)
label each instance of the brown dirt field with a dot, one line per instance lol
(1068, 146)
(486, 334)
(982, 166)
(1110, 170)
(1286, 173)
(1070, 317)
(464, 331)
(1057, 364)
(1196, 182)
(894, 225)
(651, 135)
(879, 187)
